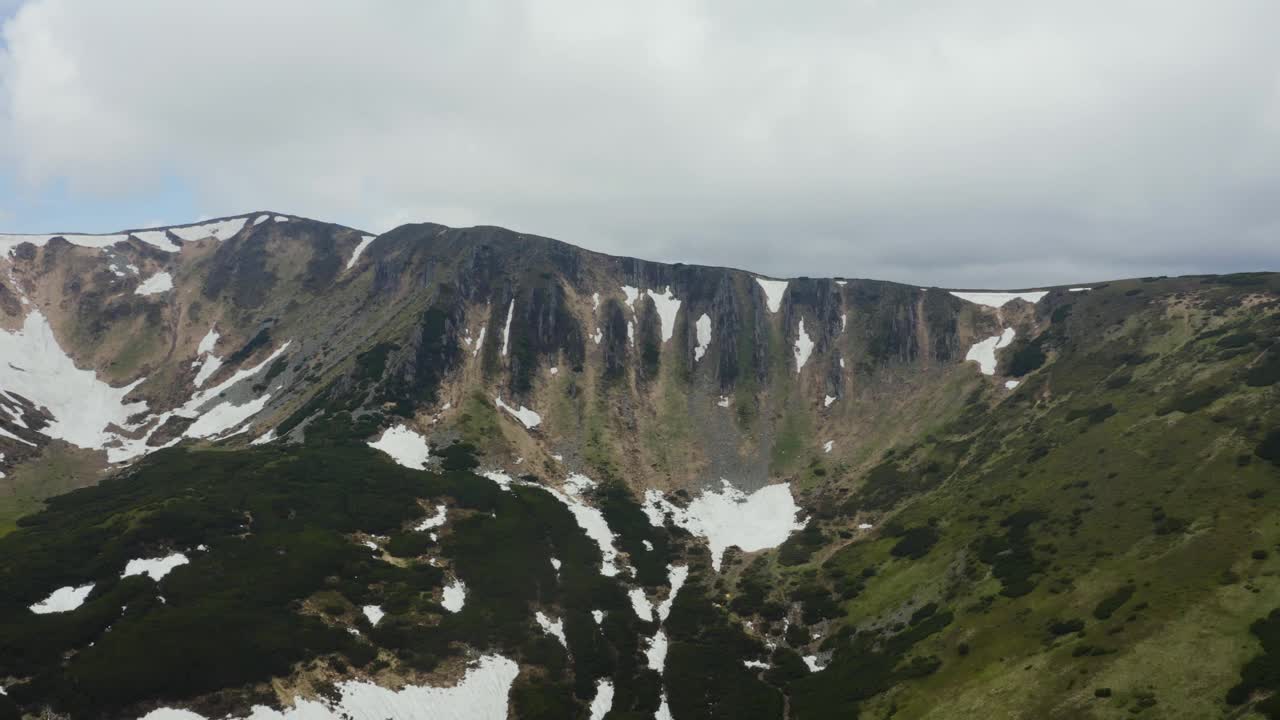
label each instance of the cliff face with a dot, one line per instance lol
(679, 374)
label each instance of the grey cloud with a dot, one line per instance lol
(991, 143)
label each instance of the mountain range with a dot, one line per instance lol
(269, 467)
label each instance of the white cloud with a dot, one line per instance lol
(1065, 141)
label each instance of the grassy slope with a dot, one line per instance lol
(1173, 503)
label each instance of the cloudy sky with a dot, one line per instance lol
(990, 143)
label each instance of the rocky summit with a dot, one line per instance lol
(269, 467)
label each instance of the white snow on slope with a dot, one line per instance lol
(703, 327)
(34, 366)
(355, 254)
(641, 604)
(480, 695)
(826, 446)
(602, 703)
(224, 416)
(552, 627)
(281, 218)
(9, 242)
(64, 599)
(656, 653)
(434, 521)
(506, 329)
(668, 307)
(220, 230)
(264, 438)
(984, 352)
(804, 347)
(209, 363)
(633, 294)
(261, 219)
(158, 238)
(1011, 384)
(454, 596)
(827, 400)
(773, 290)
(812, 662)
(527, 417)
(762, 519)
(1079, 289)
(998, 299)
(158, 283)
(374, 613)
(405, 446)
(479, 342)
(154, 567)
(209, 341)
(677, 576)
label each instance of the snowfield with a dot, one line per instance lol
(984, 352)
(33, 365)
(64, 599)
(527, 417)
(773, 291)
(158, 283)
(405, 446)
(220, 230)
(756, 521)
(455, 596)
(156, 568)
(355, 254)
(703, 328)
(804, 347)
(480, 695)
(998, 299)
(551, 627)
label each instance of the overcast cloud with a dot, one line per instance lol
(988, 143)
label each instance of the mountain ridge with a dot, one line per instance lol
(786, 498)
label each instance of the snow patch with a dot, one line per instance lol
(264, 438)
(804, 347)
(602, 703)
(656, 653)
(552, 627)
(407, 447)
(355, 254)
(374, 613)
(756, 521)
(641, 604)
(998, 299)
(826, 446)
(703, 327)
(773, 291)
(480, 695)
(1080, 289)
(220, 230)
(506, 329)
(984, 352)
(677, 576)
(668, 307)
(755, 664)
(454, 596)
(158, 283)
(209, 341)
(9, 242)
(34, 366)
(157, 238)
(527, 417)
(812, 662)
(827, 400)
(1011, 384)
(156, 568)
(434, 521)
(723, 401)
(64, 599)
(598, 616)
(224, 416)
